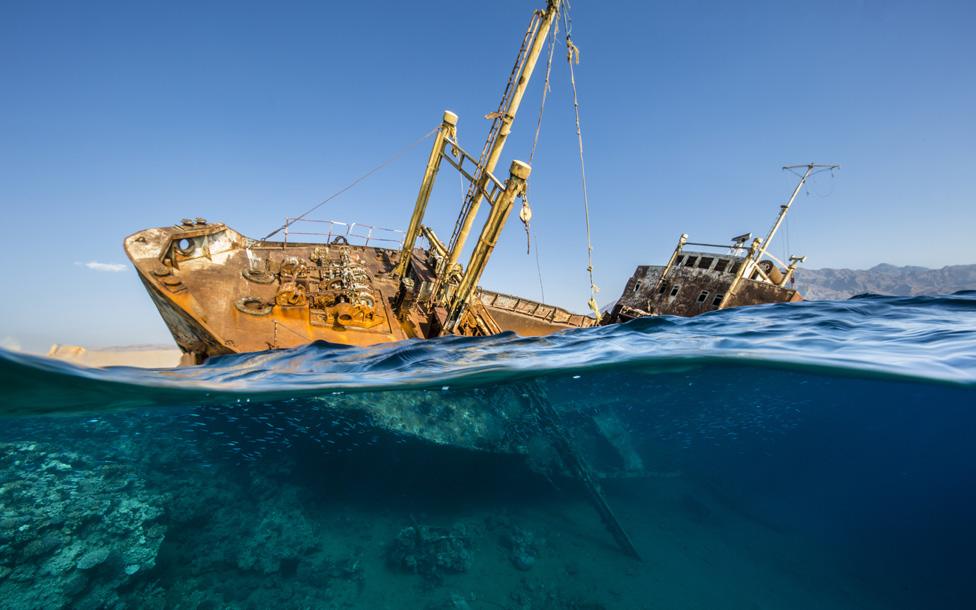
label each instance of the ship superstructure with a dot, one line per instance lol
(702, 277)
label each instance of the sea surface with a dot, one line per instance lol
(810, 455)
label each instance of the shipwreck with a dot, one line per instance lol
(716, 276)
(221, 292)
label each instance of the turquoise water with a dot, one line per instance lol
(813, 455)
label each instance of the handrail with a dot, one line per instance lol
(694, 243)
(386, 236)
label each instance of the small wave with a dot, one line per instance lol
(925, 338)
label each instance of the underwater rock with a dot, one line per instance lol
(68, 523)
(522, 560)
(75, 583)
(93, 558)
(280, 539)
(42, 546)
(431, 551)
(522, 549)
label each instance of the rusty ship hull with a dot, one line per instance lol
(220, 292)
(690, 291)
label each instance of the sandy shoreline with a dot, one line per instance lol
(149, 356)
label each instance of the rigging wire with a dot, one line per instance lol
(545, 87)
(497, 121)
(538, 268)
(382, 165)
(463, 190)
(572, 53)
(807, 190)
(821, 194)
(786, 241)
(526, 209)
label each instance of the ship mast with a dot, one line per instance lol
(760, 246)
(809, 170)
(502, 119)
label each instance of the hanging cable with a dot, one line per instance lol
(545, 87)
(572, 55)
(785, 251)
(525, 215)
(789, 251)
(497, 119)
(538, 268)
(388, 161)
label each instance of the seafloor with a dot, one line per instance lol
(138, 511)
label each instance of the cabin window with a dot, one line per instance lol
(718, 299)
(674, 291)
(703, 296)
(185, 246)
(637, 286)
(677, 261)
(664, 286)
(705, 263)
(735, 267)
(722, 264)
(691, 261)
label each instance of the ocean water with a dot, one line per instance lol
(811, 455)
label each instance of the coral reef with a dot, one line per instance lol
(166, 510)
(281, 537)
(431, 551)
(82, 529)
(521, 548)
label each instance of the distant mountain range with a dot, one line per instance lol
(887, 279)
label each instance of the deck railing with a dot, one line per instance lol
(353, 233)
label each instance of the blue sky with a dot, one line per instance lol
(115, 117)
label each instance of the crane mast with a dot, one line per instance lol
(451, 287)
(502, 119)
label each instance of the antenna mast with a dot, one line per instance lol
(809, 170)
